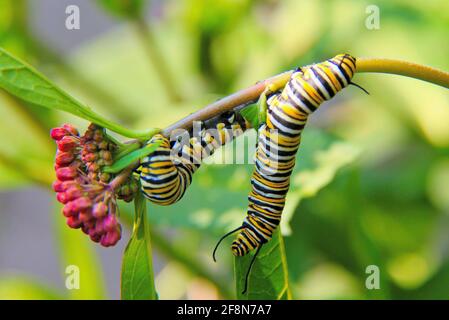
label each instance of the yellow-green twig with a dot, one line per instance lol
(403, 68)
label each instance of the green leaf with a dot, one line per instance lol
(23, 81)
(76, 249)
(123, 8)
(132, 157)
(268, 279)
(251, 114)
(137, 265)
(16, 287)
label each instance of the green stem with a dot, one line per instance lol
(404, 68)
(90, 115)
(156, 57)
(131, 157)
(127, 148)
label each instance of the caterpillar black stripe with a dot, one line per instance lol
(278, 143)
(166, 174)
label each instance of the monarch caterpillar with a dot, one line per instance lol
(278, 143)
(166, 174)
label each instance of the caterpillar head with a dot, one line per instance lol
(244, 243)
(238, 249)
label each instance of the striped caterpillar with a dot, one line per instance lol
(166, 174)
(278, 143)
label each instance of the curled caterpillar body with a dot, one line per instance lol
(166, 174)
(279, 141)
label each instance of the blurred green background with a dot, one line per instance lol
(370, 187)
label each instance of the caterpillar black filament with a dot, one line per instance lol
(166, 174)
(278, 143)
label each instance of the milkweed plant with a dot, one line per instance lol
(97, 169)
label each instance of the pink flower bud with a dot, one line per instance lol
(85, 229)
(64, 158)
(74, 192)
(94, 236)
(90, 224)
(98, 135)
(71, 129)
(82, 203)
(89, 157)
(66, 173)
(61, 197)
(90, 147)
(68, 211)
(74, 222)
(110, 223)
(62, 186)
(99, 228)
(111, 238)
(67, 143)
(58, 186)
(85, 217)
(99, 210)
(58, 133)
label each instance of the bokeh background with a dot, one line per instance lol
(370, 187)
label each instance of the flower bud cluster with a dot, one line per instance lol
(89, 201)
